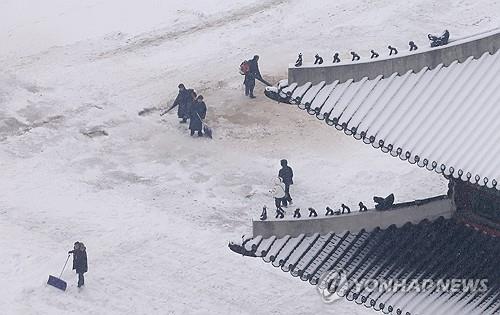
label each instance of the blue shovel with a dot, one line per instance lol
(58, 282)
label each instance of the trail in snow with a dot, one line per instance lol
(149, 39)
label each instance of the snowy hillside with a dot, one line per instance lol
(155, 207)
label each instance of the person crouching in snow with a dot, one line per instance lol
(79, 261)
(278, 192)
(197, 113)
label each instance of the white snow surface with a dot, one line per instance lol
(155, 207)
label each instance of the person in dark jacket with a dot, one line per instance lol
(286, 175)
(192, 100)
(197, 113)
(252, 74)
(183, 101)
(79, 261)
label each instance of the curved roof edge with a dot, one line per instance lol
(285, 93)
(460, 50)
(443, 169)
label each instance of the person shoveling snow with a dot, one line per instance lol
(183, 101)
(79, 265)
(197, 113)
(251, 71)
(79, 261)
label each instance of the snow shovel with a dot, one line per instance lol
(206, 130)
(58, 282)
(264, 81)
(161, 114)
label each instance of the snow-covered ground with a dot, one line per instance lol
(155, 207)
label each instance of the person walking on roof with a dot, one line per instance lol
(79, 261)
(286, 175)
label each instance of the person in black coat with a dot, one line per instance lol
(252, 74)
(191, 99)
(79, 261)
(286, 174)
(197, 113)
(183, 101)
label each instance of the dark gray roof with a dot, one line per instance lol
(428, 250)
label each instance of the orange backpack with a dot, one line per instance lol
(244, 67)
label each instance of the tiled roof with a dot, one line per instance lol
(443, 249)
(445, 119)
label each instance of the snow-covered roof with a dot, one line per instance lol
(458, 49)
(443, 249)
(445, 119)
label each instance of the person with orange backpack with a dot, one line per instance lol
(251, 71)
